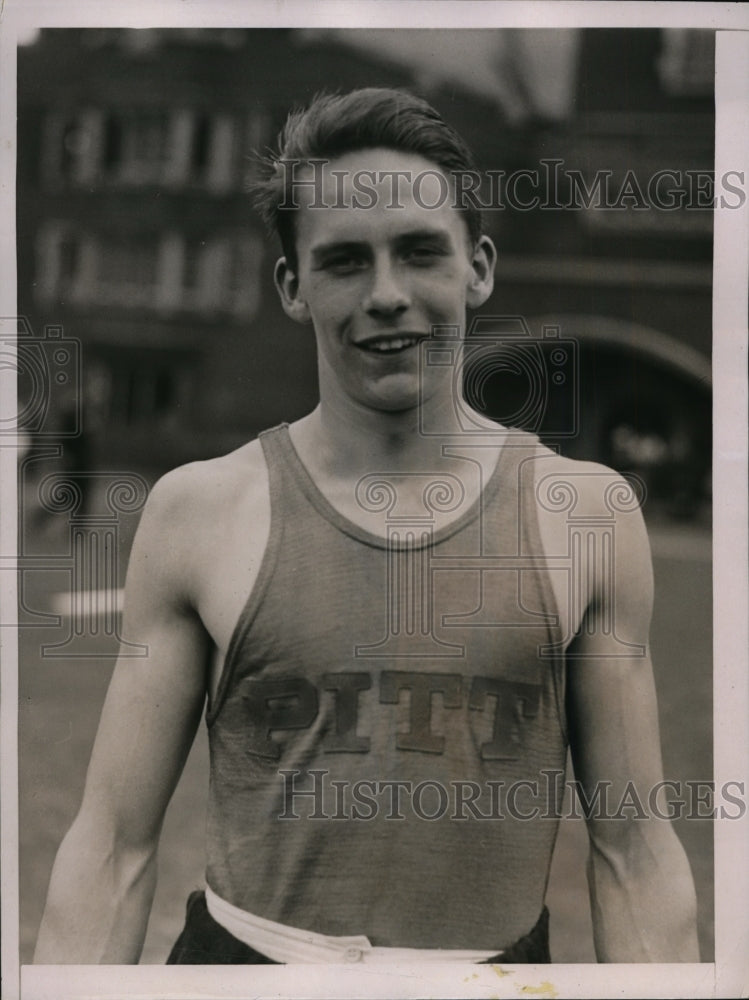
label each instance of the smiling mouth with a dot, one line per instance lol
(389, 345)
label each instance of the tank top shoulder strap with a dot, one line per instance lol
(518, 472)
(511, 485)
(284, 483)
(280, 497)
(525, 464)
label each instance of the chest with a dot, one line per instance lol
(402, 603)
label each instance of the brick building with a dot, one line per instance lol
(137, 236)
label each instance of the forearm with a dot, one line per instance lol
(642, 899)
(98, 902)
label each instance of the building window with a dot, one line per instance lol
(243, 275)
(203, 263)
(143, 388)
(126, 273)
(200, 147)
(209, 275)
(60, 254)
(143, 147)
(91, 146)
(72, 147)
(175, 147)
(257, 136)
(87, 269)
(222, 275)
(219, 174)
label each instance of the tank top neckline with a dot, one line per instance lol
(288, 452)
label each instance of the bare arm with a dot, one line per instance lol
(104, 876)
(641, 888)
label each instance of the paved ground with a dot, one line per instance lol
(61, 699)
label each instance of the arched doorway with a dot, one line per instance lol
(630, 396)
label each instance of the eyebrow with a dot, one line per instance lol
(323, 250)
(435, 236)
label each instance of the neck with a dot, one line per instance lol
(348, 441)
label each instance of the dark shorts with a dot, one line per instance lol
(205, 942)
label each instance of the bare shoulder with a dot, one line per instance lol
(572, 489)
(192, 511)
(192, 496)
(589, 499)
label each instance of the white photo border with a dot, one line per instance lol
(729, 974)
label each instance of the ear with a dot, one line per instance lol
(481, 283)
(287, 286)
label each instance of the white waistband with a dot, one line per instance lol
(291, 944)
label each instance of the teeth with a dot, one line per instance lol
(390, 345)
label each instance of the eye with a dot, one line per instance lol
(423, 254)
(344, 263)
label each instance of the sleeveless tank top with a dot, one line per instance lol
(387, 741)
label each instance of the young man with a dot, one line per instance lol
(397, 620)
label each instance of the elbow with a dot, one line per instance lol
(111, 861)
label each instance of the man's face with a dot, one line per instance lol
(374, 280)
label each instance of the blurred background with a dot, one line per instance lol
(153, 329)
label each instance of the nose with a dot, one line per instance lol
(387, 294)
